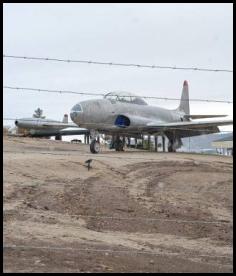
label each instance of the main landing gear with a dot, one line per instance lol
(174, 144)
(117, 144)
(58, 137)
(171, 147)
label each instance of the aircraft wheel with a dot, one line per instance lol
(95, 146)
(171, 149)
(119, 145)
(58, 137)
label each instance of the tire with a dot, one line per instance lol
(119, 145)
(58, 137)
(170, 149)
(94, 147)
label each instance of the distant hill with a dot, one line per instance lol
(202, 142)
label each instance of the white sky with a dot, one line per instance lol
(188, 35)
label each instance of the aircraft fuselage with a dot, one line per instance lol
(101, 115)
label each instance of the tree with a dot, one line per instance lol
(38, 113)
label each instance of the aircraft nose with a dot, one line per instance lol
(73, 115)
(75, 112)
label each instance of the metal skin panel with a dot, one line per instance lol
(101, 115)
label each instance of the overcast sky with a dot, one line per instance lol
(187, 35)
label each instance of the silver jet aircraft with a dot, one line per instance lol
(124, 114)
(38, 127)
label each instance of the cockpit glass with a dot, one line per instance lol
(77, 107)
(125, 97)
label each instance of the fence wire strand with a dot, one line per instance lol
(118, 64)
(114, 93)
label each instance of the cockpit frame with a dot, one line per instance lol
(124, 97)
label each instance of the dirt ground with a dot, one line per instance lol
(133, 211)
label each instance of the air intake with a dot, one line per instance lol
(122, 121)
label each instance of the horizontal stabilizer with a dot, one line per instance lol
(202, 116)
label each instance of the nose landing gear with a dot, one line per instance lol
(95, 146)
(95, 143)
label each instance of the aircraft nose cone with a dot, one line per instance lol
(75, 112)
(73, 115)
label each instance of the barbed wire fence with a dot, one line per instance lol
(8, 246)
(118, 64)
(113, 93)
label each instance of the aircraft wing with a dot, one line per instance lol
(189, 128)
(78, 131)
(202, 116)
(138, 124)
(58, 125)
(191, 124)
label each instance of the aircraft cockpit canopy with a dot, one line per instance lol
(125, 97)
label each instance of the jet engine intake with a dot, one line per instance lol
(122, 121)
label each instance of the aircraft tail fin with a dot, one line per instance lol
(184, 102)
(65, 119)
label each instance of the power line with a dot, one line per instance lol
(113, 93)
(118, 64)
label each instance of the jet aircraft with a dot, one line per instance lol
(38, 127)
(124, 114)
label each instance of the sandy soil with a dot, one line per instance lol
(133, 211)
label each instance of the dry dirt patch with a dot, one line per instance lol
(152, 213)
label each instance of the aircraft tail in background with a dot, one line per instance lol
(184, 102)
(184, 106)
(65, 119)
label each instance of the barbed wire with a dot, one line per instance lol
(114, 251)
(138, 127)
(118, 64)
(113, 94)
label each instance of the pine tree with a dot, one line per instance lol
(38, 113)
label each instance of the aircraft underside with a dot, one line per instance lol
(174, 137)
(118, 141)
